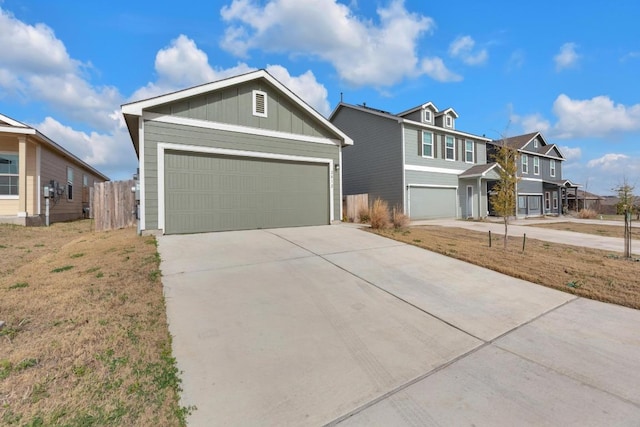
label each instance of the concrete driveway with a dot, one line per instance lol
(333, 325)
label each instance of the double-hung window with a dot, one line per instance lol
(449, 148)
(552, 167)
(536, 165)
(468, 151)
(448, 121)
(427, 116)
(69, 183)
(9, 174)
(555, 200)
(427, 144)
(525, 163)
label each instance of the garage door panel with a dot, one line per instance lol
(218, 193)
(429, 203)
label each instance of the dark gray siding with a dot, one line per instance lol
(156, 132)
(234, 105)
(413, 152)
(373, 164)
(416, 116)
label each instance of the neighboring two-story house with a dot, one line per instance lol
(415, 160)
(541, 188)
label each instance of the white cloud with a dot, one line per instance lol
(435, 68)
(610, 161)
(362, 51)
(567, 57)
(462, 48)
(35, 65)
(531, 123)
(570, 153)
(595, 117)
(182, 64)
(110, 153)
(516, 60)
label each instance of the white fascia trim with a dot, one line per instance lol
(38, 179)
(136, 108)
(455, 187)
(340, 177)
(12, 122)
(433, 169)
(162, 146)
(446, 130)
(530, 194)
(9, 197)
(20, 130)
(546, 156)
(532, 179)
(204, 124)
(142, 221)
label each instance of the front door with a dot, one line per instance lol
(469, 201)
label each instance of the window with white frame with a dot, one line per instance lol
(449, 148)
(525, 163)
(547, 200)
(259, 103)
(448, 121)
(536, 166)
(427, 144)
(468, 151)
(427, 116)
(9, 174)
(69, 183)
(555, 200)
(535, 143)
(552, 167)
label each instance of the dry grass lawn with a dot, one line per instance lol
(597, 229)
(86, 340)
(581, 271)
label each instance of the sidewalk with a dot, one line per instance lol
(523, 226)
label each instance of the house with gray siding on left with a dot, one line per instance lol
(416, 160)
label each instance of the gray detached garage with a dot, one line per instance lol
(241, 153)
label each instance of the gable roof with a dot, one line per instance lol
(133, 110)
(429, 104)
(11, 126)
(402, 120)
(448, 111)
(478, 171)
(521, 143)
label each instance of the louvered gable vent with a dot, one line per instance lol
(259, 103)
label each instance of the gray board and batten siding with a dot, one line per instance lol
(225, 168)
(373, 164)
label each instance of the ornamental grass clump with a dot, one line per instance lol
(398, 218)
(379, 214)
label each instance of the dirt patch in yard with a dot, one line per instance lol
(585, 272)
(597, 229)
(86, 339)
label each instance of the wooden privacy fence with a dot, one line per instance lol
(113, 205)
(352, 205)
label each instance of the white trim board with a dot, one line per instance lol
(416, 168)
(205, 124)
(163, 146)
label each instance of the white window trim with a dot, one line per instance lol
(448, 121)
(446, 149)
(473, 151)
(428, 113)
(535, 143)
(555, 199)
(536, 165)
(547, 200)
(432, 144)
(524, 161)
(254, 95)
(552, 168)
(162, 146)
(70, 199)
(12, 196)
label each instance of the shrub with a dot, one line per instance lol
(587, 214)
(363, 214)
(379, 215)
(398, 218)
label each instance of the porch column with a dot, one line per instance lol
(22, 176)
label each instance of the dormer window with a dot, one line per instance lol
(448, 121)
(427, 116)
(259, 103)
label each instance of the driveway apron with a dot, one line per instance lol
(330, 325)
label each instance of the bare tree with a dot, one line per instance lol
(503, 197)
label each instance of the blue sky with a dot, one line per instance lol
(568, 69)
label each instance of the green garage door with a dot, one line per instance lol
(428, 203)
(218, 193)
